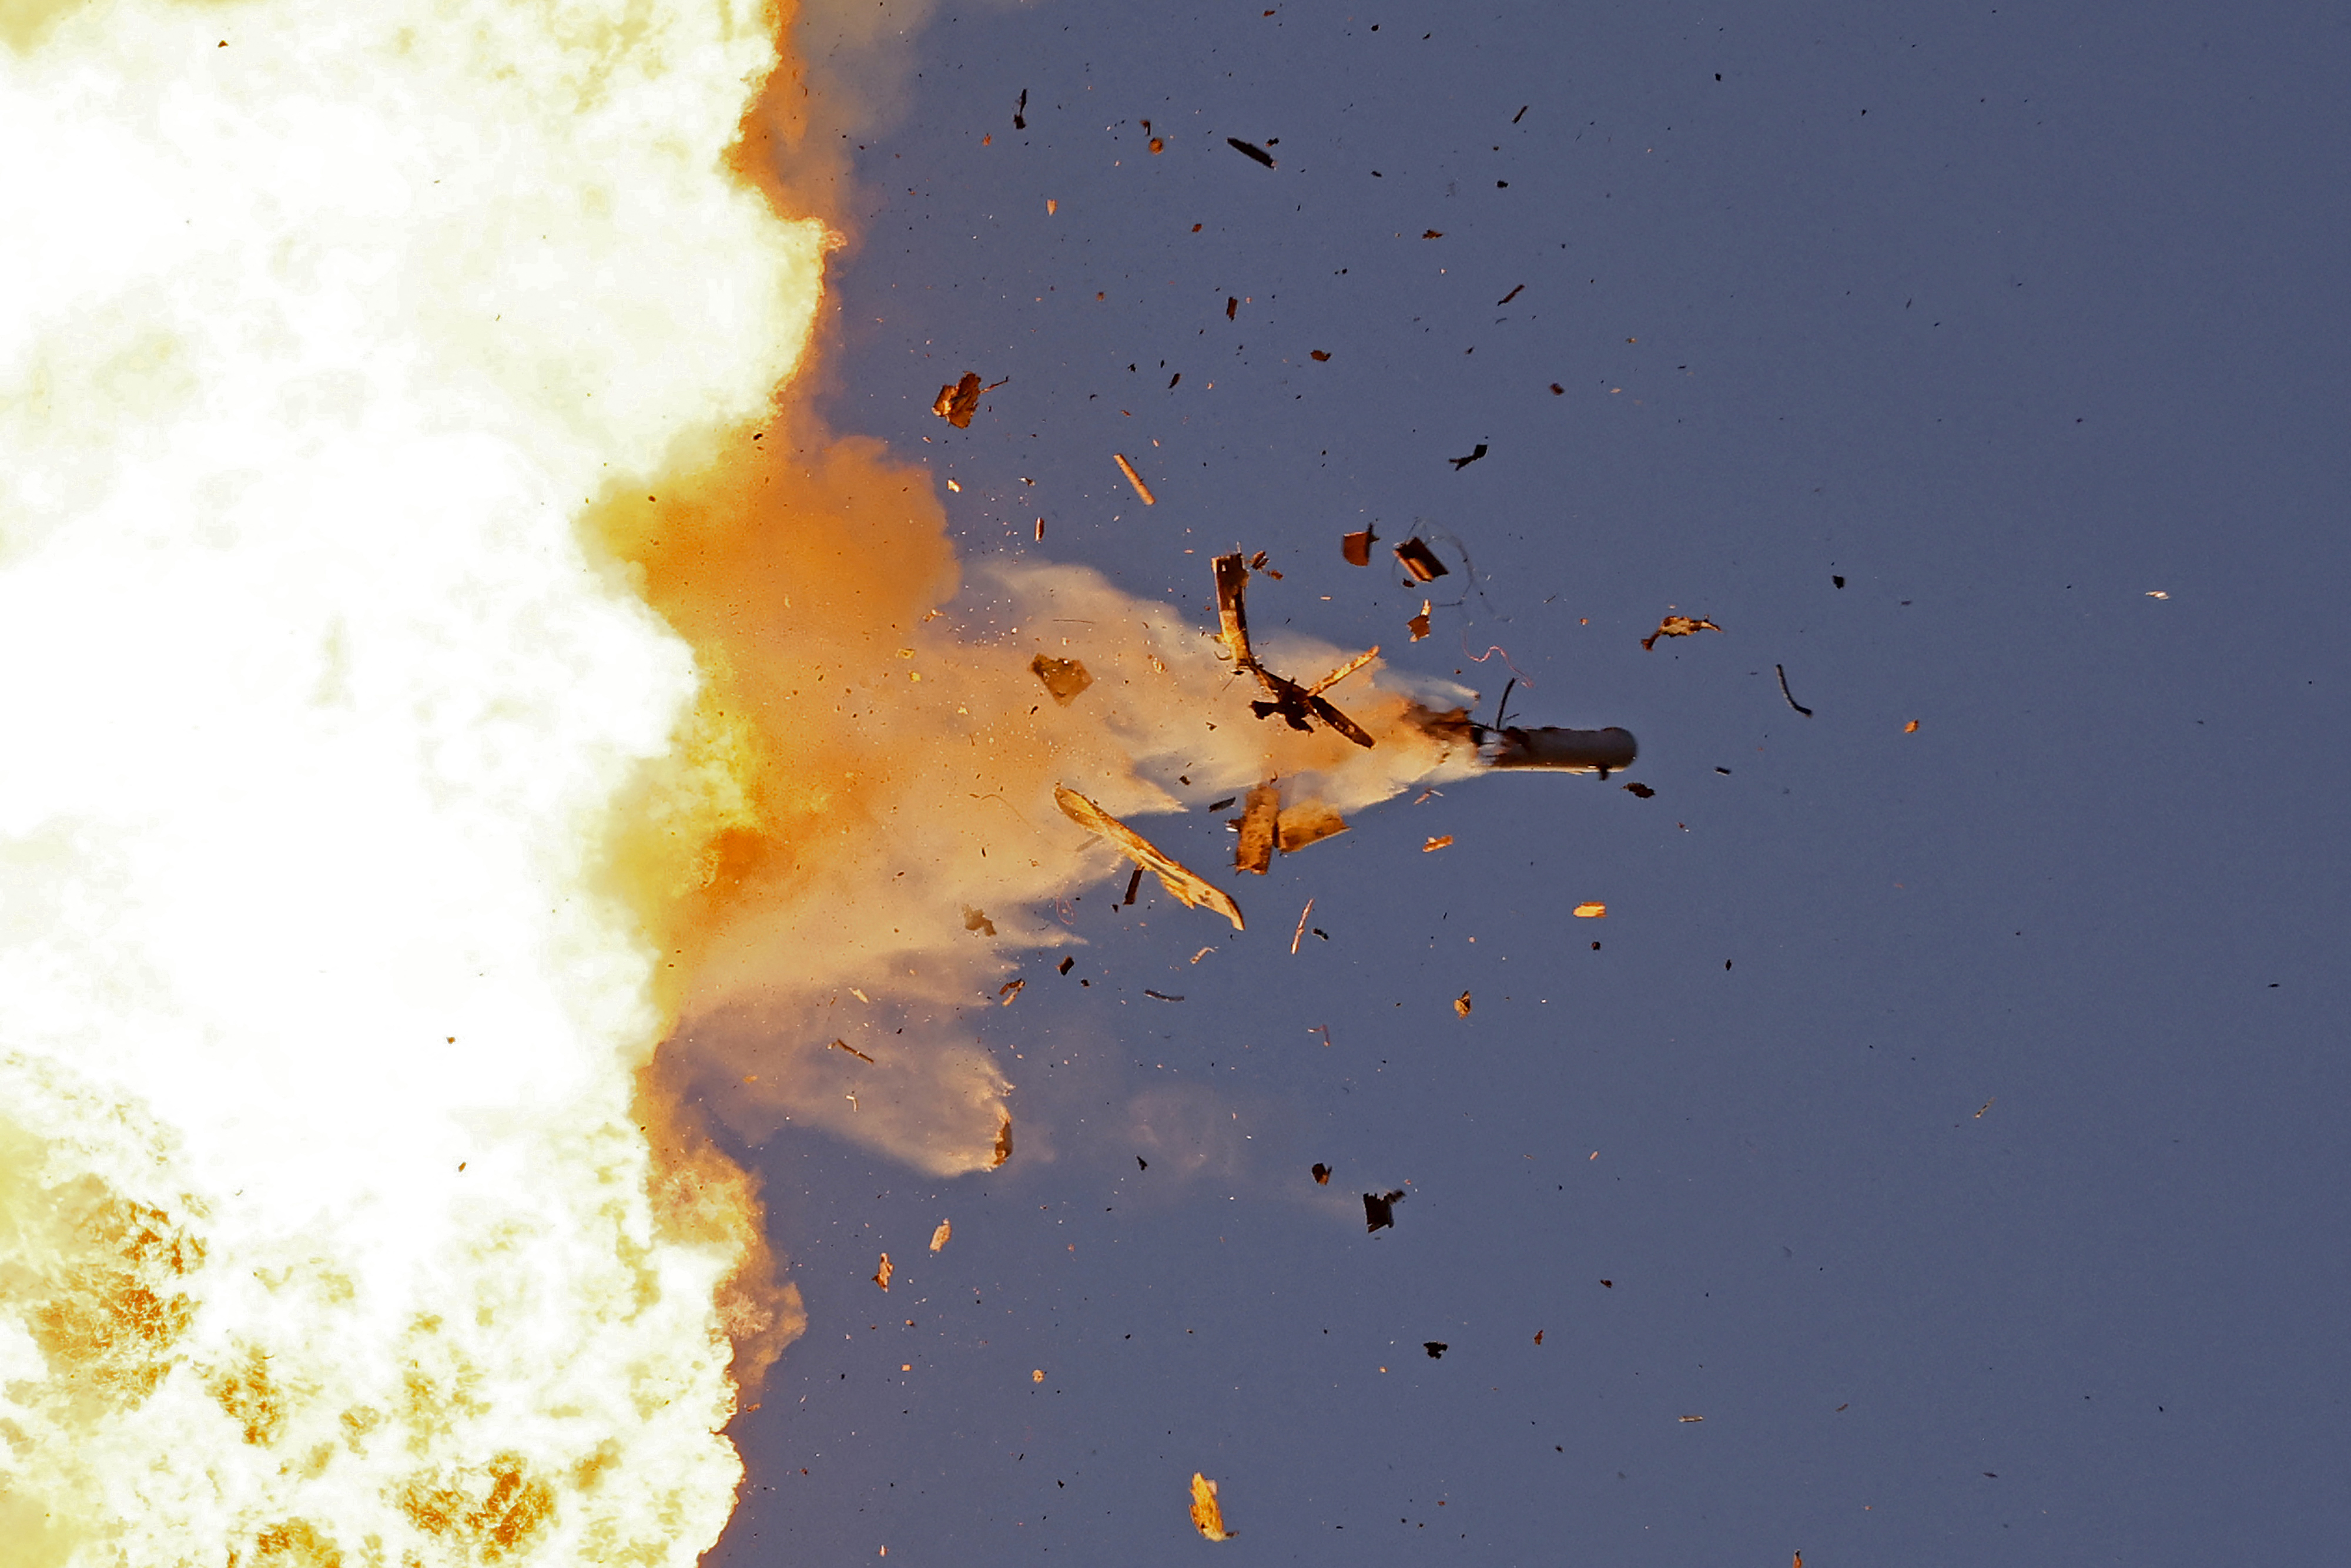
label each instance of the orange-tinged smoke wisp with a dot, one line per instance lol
(330, 1231)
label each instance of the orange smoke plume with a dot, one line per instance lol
(868, 775)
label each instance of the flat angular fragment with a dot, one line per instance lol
(1678, 626)
(1419, 623)
(1442, 840)
(1640, 790)
(1207, 1516)
(1357, 548)
(1309, 822)
(1910, 729)
(1379, 1209)
(1003, 1143)
(1249, 150)
(940, 1237)
(882, 1275)
(1591, 912)
(1254, 852)
(1321, 1174)
(1461, 1005)
(957, 403)
(977, 920)
(1135, 479)
(845, 1045)
(1436, 1348)
(1065, 678)
(1184, 886)
(1318, 355)
(1420, 560)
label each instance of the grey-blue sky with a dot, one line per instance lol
(2055, 322)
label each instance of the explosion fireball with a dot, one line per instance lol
(443, 667)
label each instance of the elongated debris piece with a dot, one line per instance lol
(1602, 751)
(1232, 609)
(1343, 671)
(1207, 1516)
(1255, 851)
(1184, 886)
(1784, 692)
(1135, 479)
(939, 1236)
(882, 1275)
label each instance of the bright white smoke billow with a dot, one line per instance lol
(327, 1229)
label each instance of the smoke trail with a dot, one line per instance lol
(330, 1229)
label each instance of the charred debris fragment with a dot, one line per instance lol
(1679, 626)
(959, 400)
